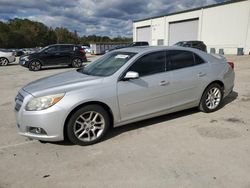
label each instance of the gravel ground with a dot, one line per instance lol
(184, 149)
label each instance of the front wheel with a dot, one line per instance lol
(211, 98)
(35, 66)
(88, 125)
(4, 61)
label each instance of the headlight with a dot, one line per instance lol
(42, 103)
(25, 58)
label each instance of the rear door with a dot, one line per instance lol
(64, 54)
(149, 93)
(189, 76)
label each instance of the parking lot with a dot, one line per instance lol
(184, 149)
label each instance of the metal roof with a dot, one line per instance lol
(193, 9)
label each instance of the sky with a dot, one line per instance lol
(100, 17)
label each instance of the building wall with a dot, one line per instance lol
(226, 26)
(179, 17)
(158, 30)
(140, 24)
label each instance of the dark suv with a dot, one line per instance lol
(133, 44)
(138, 43)
(57, 54)
(193, 44)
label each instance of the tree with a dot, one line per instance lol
(24, 33)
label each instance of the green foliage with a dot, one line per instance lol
(95, 39)
(24, 33)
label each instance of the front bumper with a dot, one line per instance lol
(23, 62)
(51, 120)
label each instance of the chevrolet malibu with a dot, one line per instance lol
(123, 86)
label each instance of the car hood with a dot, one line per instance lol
(62, 82)
(33, 54)
(6, 53)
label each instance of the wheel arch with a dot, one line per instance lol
(76, 57)
(221, 84)
(35, 59)
(5, 58)
(102, 104)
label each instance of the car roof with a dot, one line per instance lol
(146, 49)
(190, 41)
(62, 45)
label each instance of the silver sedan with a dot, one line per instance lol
(6, 58)
(123, 86)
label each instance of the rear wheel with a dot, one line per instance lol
(77, 62)
(88, 125)
(4, 61)
(211, 98)
(35, 65)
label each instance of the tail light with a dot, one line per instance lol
(82, 50)
(231, 64)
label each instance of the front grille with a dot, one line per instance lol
(19, 101)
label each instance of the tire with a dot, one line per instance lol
(4, 61)
(88, 125)
(76, 62)
(211, 99)
(35, 65)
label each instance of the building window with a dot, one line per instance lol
(160, 42)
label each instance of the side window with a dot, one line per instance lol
(198, 60)
(150, 64)
(51, 49)
(65, 48)
(180, 59)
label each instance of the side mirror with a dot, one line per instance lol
(131, 75)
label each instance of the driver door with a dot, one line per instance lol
(50, 56)
(147, 94)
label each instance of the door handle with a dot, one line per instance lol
(202, 74)
(164, 83)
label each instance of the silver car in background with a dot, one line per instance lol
(123, 86)
(6, 57)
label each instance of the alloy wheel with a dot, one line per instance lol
(35, 66)
(3, 61)
(89, 126)
(77, 62)
(213, 98)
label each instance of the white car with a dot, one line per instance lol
(6, 58)
(87, 49)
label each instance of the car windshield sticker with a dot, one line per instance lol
(121, 56)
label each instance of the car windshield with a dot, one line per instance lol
(43, 49)
(108, 64)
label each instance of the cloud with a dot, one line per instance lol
(100, 17)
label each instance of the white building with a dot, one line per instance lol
(221, 26)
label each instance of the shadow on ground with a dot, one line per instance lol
(150, 122)
(230, 98)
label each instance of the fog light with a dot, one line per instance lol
(37, 130)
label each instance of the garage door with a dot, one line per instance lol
(143, 34)
(183, 30)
